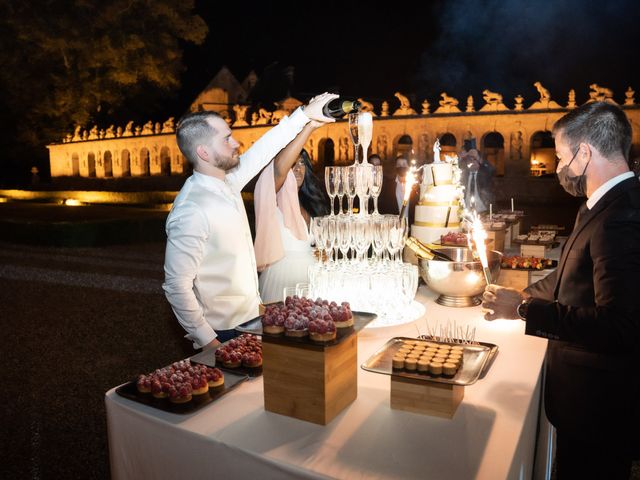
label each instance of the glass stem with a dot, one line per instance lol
(375, 205)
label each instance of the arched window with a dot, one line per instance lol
(91, 165)
(327, 152)
(108, 167)
(125, 161)
(543, 154)
(165, 161)
(404, 147)
(493, 151)
(144, 162)
(75, 165)
(448, 144)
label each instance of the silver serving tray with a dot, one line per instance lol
(476, 357)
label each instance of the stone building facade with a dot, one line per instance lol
(516, 140)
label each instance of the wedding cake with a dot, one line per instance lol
(439, 209)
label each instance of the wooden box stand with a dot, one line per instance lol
(498, 237)
(518, 279)
(308, 383)
(533, 251)
(515, 229)
(427, 398)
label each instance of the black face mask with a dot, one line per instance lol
(575, 185)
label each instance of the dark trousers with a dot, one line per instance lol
(597, 459)
(224, 335)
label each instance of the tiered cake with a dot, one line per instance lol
(439, 209)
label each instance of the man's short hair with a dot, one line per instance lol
(601, 124)
(194, 129)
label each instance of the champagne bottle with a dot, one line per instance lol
(339, 107)
(422, 251)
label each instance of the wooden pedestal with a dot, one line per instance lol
(308, 383)
(533, 251)
(498, 239)
(427, 398)
(520, 279)
(515, 230)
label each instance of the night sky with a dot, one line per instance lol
(458, 46)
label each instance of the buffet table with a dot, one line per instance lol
(492, 435)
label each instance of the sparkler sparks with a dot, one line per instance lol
(479, 235)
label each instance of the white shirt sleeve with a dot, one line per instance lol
(267, 147)
(187, 233)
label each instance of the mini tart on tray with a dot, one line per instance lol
(215, 377)
(180, 393)
(143, 384)
(296, 326)
(322, 330)
(229, 359)
(251, 359)
(199, 385)
(159, 390)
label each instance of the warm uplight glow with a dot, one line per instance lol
(72, 202)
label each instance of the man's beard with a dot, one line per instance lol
(228, 163)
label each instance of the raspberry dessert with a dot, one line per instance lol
(322, 329)
(180, 392)
(273, 320)
(215, 378)
(296, 325)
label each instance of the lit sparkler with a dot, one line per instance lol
(410, 181)
(479, 236)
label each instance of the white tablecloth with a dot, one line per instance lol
(492, 435)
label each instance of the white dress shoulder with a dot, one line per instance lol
(291, 269)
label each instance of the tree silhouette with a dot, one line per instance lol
(75, 63)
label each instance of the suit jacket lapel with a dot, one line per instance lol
(586, 218)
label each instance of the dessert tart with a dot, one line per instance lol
(342, 315)
(215, 378)
(411, 364)
(180, 393)
(322, 330)
(435, 368)
(423, 364)
(398, 362)
(296, 326)
(449, 369)
(273, 320)
(199, 384)
(252, 359)
(144, 384)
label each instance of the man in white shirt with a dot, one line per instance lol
(210, 269)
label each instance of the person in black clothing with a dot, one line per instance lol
(477, 180)
(589, 307)
(390, 200)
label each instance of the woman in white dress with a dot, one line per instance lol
(286, 196)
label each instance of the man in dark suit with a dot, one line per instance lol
(589, 307)
(477, 180)
(392, 193)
